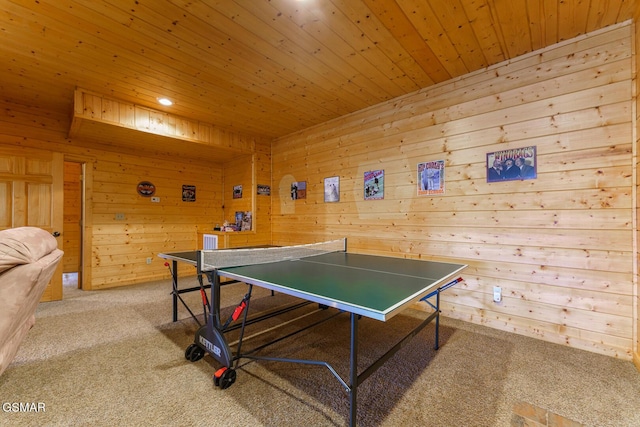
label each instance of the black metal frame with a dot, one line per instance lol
(355, 378)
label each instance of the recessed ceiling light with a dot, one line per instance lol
(165, 101)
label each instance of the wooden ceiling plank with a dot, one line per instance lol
(290, 58)
(514, 24)
(426, 20)
(242, 70)
(478, 13)
(258, 63)
(325, 43)
(550, 21)
(58, 94)
(369, 24)
(247, 67)
(57, 47)
(391, 15)
(572, 18)
(88, 50)
(602, 13)
(367, 48)
(537, 24)
(295, 59)
(456, 24)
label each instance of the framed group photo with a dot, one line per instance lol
(512, 165)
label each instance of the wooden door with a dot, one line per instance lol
(31, 194)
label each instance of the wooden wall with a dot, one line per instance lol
(118, 248)
(249, 171)
(636, 356)
(72, 217)
(121, 247)
(560, 246)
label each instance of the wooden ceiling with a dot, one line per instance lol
(270, 67)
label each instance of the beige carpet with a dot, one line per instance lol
(114, 358)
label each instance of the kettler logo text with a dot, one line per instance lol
(210, 346)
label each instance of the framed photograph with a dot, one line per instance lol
(298, 190)
(374, 185)
(243, 221)
(332, 189)
(264, 190)
(188, 193)
(431, 178)
(237, 191)
(512, 165)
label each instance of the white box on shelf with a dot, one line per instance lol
(209, 241)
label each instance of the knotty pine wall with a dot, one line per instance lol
(72, 226)
(636, 334)
(560, 246)
(249, 171)
(121, 247)
(118, 249)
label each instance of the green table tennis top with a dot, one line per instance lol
(374, 286)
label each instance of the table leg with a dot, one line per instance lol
(174, 273)
(214, 304)
(437, 319)
(353, 371)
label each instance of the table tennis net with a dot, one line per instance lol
(215, 259)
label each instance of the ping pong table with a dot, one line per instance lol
(191, 258)
(325, 273)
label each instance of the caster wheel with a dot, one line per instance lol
(193, 353)
(224, 378)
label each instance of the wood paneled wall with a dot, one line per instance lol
(249, 171)
(559, 246)
(72, 217)
(636, 334)
(119, 248)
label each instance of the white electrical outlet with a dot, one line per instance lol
(497, 294)
(149, 260)
(155, 199)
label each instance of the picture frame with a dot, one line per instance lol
(188, 193)
(332, 189)
(237, 191)
(298, 190)
(516, 164)
(374, 185)
(431, 178)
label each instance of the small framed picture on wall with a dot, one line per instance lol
(374, 185)
(332, 189)
(431, 178)
(298, 190)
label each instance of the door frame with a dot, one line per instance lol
(86, 218)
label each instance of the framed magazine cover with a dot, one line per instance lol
(374, 185)
(516, 164)
(431, 178)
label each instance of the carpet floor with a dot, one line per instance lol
(114, 358)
